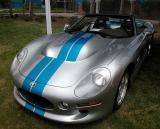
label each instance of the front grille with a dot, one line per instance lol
(36, 100)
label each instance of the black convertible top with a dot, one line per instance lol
(131, 17)
(113, 15)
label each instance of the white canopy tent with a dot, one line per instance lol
(98, 4)
(48, 16)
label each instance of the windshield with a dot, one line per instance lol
(105, 26)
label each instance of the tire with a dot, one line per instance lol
(121, 91)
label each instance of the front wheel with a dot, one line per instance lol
(122, 90)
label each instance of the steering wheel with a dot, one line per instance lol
(124, 26)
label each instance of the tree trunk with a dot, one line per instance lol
(23, 11)
(131, 10)
(10, 9)
(92, 6)
(65, 6)
(31, 13)
(121, 7)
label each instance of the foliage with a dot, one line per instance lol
(4, 3)
(86, 5)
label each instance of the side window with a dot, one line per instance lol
(113, 23)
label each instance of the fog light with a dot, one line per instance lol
(63, 106)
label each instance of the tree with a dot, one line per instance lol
(23, 9)
(31, 13)
(132, 5)
(3, 3)
(65, 6)
(8, 4)
(92, 6)
(10, 8)
(121, 7)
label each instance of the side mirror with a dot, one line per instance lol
(147, 33)
(66, 26)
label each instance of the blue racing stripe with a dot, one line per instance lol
(34, 109)
(29, 107)
(64, 51)
(39, 112)
(35, 72)
(52, 68)
(78, 46)
(41, 65)
(47, 74)
(55, 64)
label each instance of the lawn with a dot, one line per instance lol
(141, 109)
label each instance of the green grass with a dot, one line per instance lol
(141, 109)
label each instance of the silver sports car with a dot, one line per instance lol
(83, 73)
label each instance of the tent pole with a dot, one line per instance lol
(48, 16)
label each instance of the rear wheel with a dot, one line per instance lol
(122, 90)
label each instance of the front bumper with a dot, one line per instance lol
(65, 116)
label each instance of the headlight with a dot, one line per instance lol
(93, 83)
(101, 77)
(21, 55)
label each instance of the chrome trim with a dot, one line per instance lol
(94, 105)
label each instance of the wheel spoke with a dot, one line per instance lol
(122, 89)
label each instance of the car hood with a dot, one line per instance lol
(57, 65)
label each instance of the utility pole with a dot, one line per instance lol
(48, 16)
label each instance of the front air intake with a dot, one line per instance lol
(35, 100)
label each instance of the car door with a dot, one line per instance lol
(139, 53)
(143, 44)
